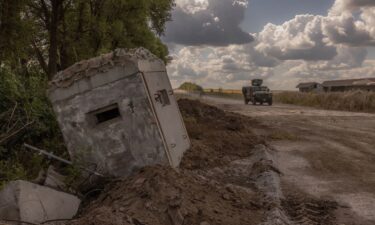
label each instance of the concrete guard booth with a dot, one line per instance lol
(117, 112)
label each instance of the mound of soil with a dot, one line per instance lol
(215, 185)
(160, 195)
(217, 137)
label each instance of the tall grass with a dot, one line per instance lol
(358, 101)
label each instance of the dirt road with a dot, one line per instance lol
(325, 154)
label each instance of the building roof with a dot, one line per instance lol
(306, 85)
(349, 82)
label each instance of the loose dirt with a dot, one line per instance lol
(218, 137)
(323, 155)
(224, 180)
(160, 195)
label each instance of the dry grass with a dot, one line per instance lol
(358, 101)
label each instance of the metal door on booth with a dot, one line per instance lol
(168, 115)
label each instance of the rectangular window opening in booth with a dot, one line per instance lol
(106, 114)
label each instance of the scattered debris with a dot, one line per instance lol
(168, 197)
(229, 176)
(32, 203)
(54, 179)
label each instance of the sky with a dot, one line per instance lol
(226, 43)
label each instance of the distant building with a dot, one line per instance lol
(365, 84)
(310, 87)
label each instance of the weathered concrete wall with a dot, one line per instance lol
(147, 131)
(118, 146)
(28, 202)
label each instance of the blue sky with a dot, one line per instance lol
(226, 43)
(261, 12)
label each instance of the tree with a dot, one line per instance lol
(40, 37)
(58, 33)
(188, 86)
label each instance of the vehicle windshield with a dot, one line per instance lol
(261, 89)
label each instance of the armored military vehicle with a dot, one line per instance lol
(257, 93)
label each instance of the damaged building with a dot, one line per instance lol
(364, 84)
(310, 87)
(118, 113)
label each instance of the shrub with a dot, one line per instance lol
(188, 86)
(25, 116)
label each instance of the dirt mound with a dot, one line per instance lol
(221, 182)
(160, 195)
(217, 137)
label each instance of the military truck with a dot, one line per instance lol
(257, 93)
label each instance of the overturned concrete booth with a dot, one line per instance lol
(118, 112)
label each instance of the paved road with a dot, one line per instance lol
(326, 154)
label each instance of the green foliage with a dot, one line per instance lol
(13, 30)
(96, 27)
(62, 32)
(25, 116)
(188, 86)
(38, 37)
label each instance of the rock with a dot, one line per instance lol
(226, 197)
(41, 178)
(54, 179)
(230, 189)
(32, 203)
(176, 216)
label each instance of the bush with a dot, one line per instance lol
(358, 101)
(25, 116)
(188, 86)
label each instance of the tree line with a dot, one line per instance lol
(54, 34)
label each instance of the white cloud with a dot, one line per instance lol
(192, 6)
(208, 22)
(344, 6)
(305, 48)
(299, 38)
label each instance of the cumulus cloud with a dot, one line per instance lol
(192, 6)
(345, 28)
(341, 6)
(208, 22)
(300, 38)
(305, 48)
(323, 38)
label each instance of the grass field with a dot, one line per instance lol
(357, 101)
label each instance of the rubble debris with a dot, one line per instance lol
(118, 113)
(267, 180)
(32, 203)
(160, 196)
(54, 179)
(168, 197)
(241, 189)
